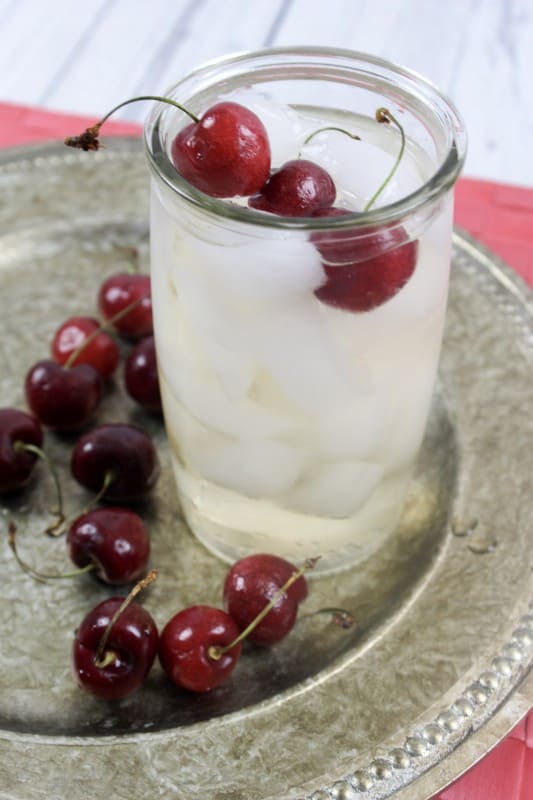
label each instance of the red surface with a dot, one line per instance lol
(500, 216)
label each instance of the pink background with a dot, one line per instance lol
(500, 216)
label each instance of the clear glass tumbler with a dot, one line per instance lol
(298, 355)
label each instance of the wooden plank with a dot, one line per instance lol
(110, 66)
(36, 41)
(213, 30)
(141, 53)
(478, 52)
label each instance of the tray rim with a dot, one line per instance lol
(515, 705)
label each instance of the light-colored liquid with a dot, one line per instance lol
(294, 425)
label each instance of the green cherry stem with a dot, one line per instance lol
(26, 447)
(104, 326)
(102, 658)
(383, 115)
(215, 652)
(332, 128)
(131, 256)
(109, 477)
(88, 140)
(338, 616)
(41, 577)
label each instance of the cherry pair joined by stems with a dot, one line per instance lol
(200, 646)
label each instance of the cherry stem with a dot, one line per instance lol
(41, 577)
(102, 327)
(339, 616)
(88, 140)
(215, 652)
(109, 477)
(384, 115)
(131, 255)
(332, 128)
(25, 447)
(101, 659)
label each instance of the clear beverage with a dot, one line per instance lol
(295, 423)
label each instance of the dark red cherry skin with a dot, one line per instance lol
(126, 451)
(64, 399)
(16, 467)
(140, 375)
(184, 648)
(297, 189)
(114, 540)
(365, 271)
(133, 640)
(226, 153)
(250, 585)
(102, 352)
(118, 292)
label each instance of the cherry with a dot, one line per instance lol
(62, 398)
(114, 540)
(226, 153)
(17, 430)
(297, 189)
(120, 291)
(118, 461)
(140, 374)
(364, 268)
(115, 647)
(200, 646)
(101, 352)
(185, 648)
(251, 583)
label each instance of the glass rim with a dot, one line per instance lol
(438, 184)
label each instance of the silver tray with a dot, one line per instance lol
(436, 670)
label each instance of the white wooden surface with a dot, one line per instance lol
(87, 56)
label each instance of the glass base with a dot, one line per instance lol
(232, 526)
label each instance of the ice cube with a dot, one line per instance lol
(291, 343)
(282, 123)
(360, 167)
(202, 395)
(261, 270)
(256, 468)
(337, 490)
(355, 432)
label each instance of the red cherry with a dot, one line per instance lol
(297, 189)
(129, 653)
(115, 540)
(118, 292)
(125, 453)
(60, 398)
(140, 375)
(102, 352)
(185, 643)
(226, 153)
(366, 268)
(16, 465)
(251, 583)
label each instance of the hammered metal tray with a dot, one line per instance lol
(436, 670)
